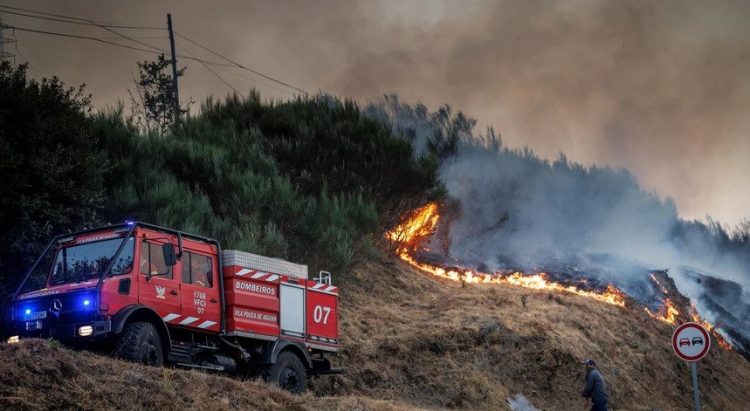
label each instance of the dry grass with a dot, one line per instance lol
(412, 341)
(40, 374)
(43, 375)
(433, 343)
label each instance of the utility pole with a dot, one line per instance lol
(6, 39)
(174, 70)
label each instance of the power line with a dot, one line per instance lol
(151, 48)
(135, 37)
(101, 40)
(127, 37)
(232, 70)
(83, 23)
(76, 36)
(243, 67)
(41, 17)
(154, 50)
(78, 20)
(212, 71)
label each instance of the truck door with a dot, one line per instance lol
(292, 310)
(157, 285)
(200, 302)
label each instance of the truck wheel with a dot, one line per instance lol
(140, 343)
(288, 373)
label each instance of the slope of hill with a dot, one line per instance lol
(315, 181)
(432, 343)
(412, 341)
(42, 375)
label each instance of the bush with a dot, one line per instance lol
(52, 169)
(308, 180)
(303, 180)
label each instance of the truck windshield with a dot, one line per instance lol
(85, 261)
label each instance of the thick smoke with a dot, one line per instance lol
(518, 211)
(631, 83)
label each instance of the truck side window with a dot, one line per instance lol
(196, 269)
(152, 260)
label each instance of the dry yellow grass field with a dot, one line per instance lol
(414, 342)
(43, 375)
(412, 338)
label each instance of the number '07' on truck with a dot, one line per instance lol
(158, 295)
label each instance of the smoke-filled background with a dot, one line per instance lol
(517, 211)
(660, 88)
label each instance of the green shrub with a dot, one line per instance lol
(303, 180)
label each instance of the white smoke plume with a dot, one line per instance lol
(518, 211)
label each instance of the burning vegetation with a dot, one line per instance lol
(671, 314)
(668, 312)
(723, 343)
(420, 224)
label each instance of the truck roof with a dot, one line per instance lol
(130, 224)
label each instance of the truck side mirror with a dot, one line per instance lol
(170, 258)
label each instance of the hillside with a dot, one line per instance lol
(318, 181)
(412, 341)
(42, 375)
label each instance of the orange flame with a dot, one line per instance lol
(422, 222)
(670, 315)
(723, 343)
(657, 282)
(668, 312)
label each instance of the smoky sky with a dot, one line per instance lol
(660, 88)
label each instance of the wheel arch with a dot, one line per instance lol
(296, 348)
(142, 313)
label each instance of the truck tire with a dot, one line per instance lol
(288, 373)
(139, 342)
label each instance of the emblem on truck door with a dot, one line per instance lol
(160, 291)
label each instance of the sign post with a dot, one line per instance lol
(691, 342)
(696, 391)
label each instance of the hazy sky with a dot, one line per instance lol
(661, 88)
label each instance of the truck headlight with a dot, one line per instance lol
(85, 331)
(13, 339)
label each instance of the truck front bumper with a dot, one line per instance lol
(68, 331)
(83, 330)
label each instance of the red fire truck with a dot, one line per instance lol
(155, 295)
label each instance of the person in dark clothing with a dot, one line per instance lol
(595, 387)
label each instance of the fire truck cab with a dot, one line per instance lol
(155, 295)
